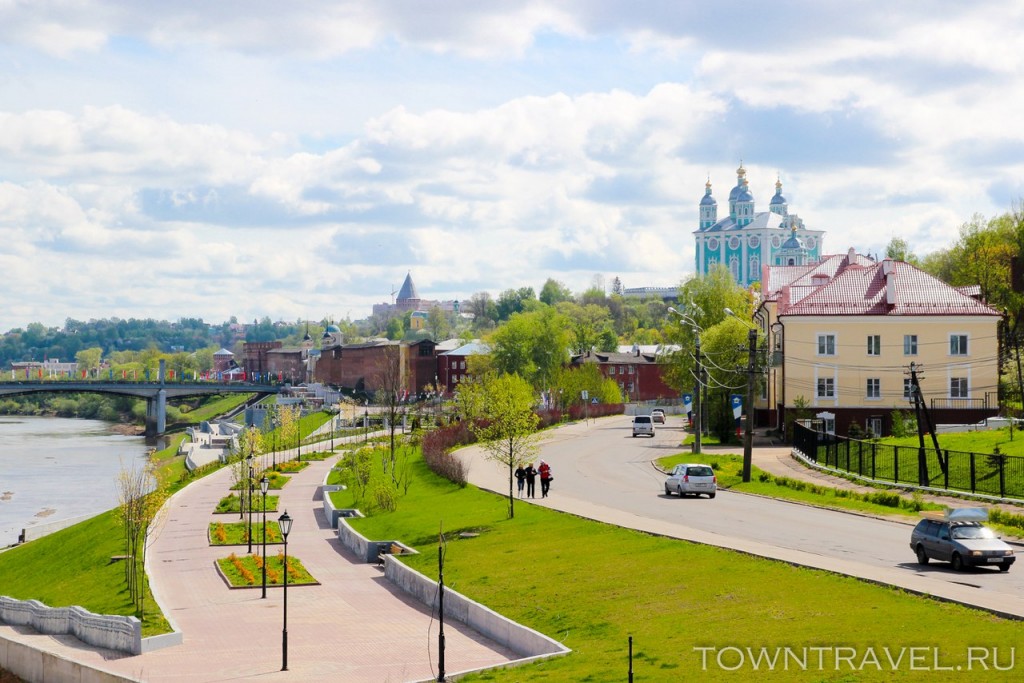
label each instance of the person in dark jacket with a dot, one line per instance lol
(520, 479)
(531, 477)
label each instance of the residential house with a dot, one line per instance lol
(845, 333)
(638, 372)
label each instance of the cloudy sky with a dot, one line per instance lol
(296, 160)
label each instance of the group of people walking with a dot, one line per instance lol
(526, 478)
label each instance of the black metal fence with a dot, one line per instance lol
(989, 474)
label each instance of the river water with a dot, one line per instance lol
(53, 469)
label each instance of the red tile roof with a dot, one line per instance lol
(862, 290)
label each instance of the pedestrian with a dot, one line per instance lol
(520, 479)
(531, 476)
(545, 478)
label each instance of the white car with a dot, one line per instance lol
(691, 479)
(643, 424)
(658, 415)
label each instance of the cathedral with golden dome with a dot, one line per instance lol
(746, 240)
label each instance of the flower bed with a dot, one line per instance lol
(276, 479)
(246, 571)
(232, 503)
(238, 533)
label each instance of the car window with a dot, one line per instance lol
(701, 472)
(972, 532)
(642, 418)
(944, 532)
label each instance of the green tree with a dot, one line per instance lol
(554, 292)
(531, 345)
(508, 431)
(437, 324)
(89, 359)
(514, 301)
(899, 250)
(587, 324)
(395, 329)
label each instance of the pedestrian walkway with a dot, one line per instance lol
(355, 626)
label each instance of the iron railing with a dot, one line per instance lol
(982, 473)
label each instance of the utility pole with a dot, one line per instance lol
(696, 400)
(922, 461)
(748, 435)
(440, 607)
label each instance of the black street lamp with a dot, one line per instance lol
(264, 485)
(285, 522)
(366, 424)
(252, 475)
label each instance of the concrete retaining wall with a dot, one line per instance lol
(31, 664)
(516, 637)
(102, 630)
(31, 533)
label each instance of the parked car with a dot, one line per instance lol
(643, 424)
(658, 415)
(692, 479)
(958, 537)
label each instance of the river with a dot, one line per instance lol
(54, 469)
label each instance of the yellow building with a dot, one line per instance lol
(846, 333)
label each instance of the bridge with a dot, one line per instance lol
(155, 393)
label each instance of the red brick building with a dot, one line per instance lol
(359, 366)
(638, 374)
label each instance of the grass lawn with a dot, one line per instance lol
(591, 586)
(896, 460)
(73, 567)
(291, 466)
(215, 407)
(236, 533)
(247, 570)
(232, 503)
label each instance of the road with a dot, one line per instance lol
(602, 472)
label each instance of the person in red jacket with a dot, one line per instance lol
(545, 478)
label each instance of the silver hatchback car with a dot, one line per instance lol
(691, 479)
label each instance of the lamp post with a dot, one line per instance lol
(264, 486)
(252, 475)
(366, 423)
(748, 434)
(778, 330)
(698, 375)
(273, 426)
(298, 434)
(285, 522)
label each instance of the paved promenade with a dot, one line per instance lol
(353, 627)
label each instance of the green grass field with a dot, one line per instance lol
(592, 586)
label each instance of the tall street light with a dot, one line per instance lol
(252, 475)
(264, 486)
(285, 522)
(748, 435)
(697, 376)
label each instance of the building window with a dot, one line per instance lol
(958, 387)
(874, 388)
(826, 345)
(462, 365)
(874, 345)
(874, 425)
(455, 365)
(631, 369)
(910, 345)
(958, 344)
(826, 387)
(622, 369)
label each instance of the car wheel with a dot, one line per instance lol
(711, 495)
(957, 562)
(668, 491)
(1005, 567)
(922, 556)
(679, 490)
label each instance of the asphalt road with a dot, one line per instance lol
(601, 471)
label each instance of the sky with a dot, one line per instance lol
(296, 160)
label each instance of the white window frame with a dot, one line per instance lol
(959, 344)
(828, 384)
(823, 340)
(910, 345)
(874, 345)
(963, 385)
(873, 389)
(908, 387)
